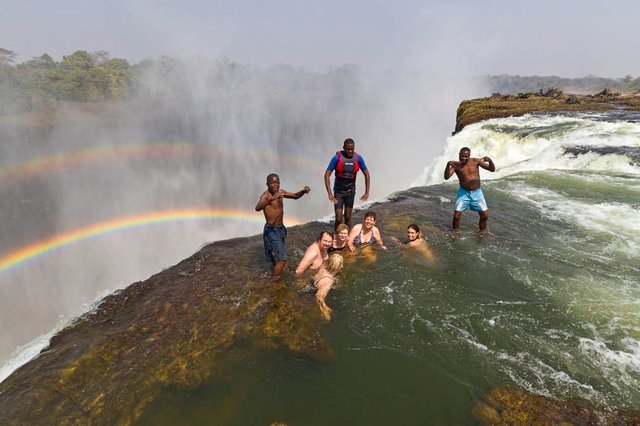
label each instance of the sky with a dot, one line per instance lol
(567, 38)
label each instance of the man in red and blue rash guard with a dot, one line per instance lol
(346, 163)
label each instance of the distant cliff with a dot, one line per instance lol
(552, 100)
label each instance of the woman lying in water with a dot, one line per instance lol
(415, 241)
(365, 233)
(324, 279)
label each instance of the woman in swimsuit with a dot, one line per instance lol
(341, 238)
(415, 241)
(365, 233)
(324, 279)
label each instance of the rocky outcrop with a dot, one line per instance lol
(514, 406)
(183, 327)
(550, 100)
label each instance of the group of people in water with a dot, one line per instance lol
(323, 255)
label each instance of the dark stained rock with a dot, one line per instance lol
(514, 406)
(572, 99)
(180, 329)
(550, 100)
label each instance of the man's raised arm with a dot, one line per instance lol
(449, 169)
(487, 164)
(296, 195)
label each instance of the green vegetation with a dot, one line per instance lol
(81, 76)
(590, 84)
(95, 77)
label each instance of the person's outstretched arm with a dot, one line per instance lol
(296, 195)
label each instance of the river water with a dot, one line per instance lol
(548, 300)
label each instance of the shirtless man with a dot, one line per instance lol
(469, 195)
(316, 253)
(275, 233)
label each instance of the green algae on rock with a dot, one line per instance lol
(509, 405)
(179, 329)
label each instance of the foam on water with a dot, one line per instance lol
(620, 223)
(534, 143)
(27, 352)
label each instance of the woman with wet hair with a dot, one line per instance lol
(341, 238)
(366, 233)
(416, 241)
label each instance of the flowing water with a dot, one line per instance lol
(548, 300)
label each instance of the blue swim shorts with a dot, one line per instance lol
(471, 199)
(274, 239)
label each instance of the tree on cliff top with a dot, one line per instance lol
(7, 56)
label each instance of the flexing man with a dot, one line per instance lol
(275, 233)
(469, 195)
(346, 163)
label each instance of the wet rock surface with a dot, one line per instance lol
(552, 100)
(178, 329)
(514, 406)
(199, 321)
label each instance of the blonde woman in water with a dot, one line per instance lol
(324, 279)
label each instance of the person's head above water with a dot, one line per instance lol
(342, 232)
(413, 232)
(325, 239)
(334, 264)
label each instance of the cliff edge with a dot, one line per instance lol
(551, 100)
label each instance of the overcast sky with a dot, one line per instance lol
(569, 38)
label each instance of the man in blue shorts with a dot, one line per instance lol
(469, 195)
(274, 234)
(346, 163)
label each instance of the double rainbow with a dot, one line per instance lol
(105, 154)
(32, 251)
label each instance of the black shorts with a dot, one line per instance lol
(344, 199)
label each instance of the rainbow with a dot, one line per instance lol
(114, 153)
(32, 251)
